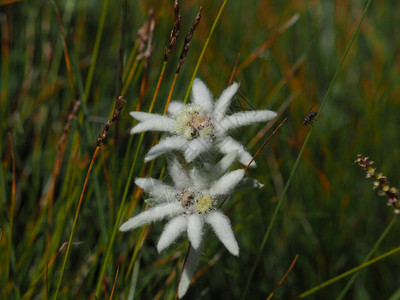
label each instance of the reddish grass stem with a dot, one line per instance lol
(183, 268)
(170, 93)
(75, 222)
(66, 55)
(267, 43)
(115, 282)
(284, 277)
(262, 146)
(233, 74)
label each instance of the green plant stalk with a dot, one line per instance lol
(2, 185)
(395, 295)
(356, 269)
(369, 255)
(203, 51)
(283, 195)
(12, 209)
(132, 55)
(5, 71)
(96, 48)
(118, 219)
(140, 237)
(135, 275)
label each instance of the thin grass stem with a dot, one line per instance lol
(96, 47)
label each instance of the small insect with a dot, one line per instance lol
(309, 118)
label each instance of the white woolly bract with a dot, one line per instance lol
(175, 108)
(174, 228)
(246, 118)
(188, 272)
(222, 228)
(157, 123)
(202, 96)
(224, 101)
(156, 188)
(195, 229)
(228, 144)
(153, 214)
(200, 179)
(142, 116)
(226, 184)
(178, 174)
(196, 147)
(223, 165)
(166, 145)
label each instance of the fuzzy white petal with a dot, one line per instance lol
(202, 96)
(199, 179)
(153, 214)
(175, 108)
(223, 165)
(228, 144)
(158, 190)
(158, 123)
(142, 116)
(196, 147)
(245, 118)
(227, 183)
(178, 174)
(174, 228)
(222, 228)
(153, 201)
(225, 100)
(195, 229)
(166, 145)
(151, 185)
(188, 272)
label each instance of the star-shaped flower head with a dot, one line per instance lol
(189, 204)
(198, 127)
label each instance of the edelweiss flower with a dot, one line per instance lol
(189, 204)
(201, 125)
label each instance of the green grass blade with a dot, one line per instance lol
(348, 273)
(369, 255)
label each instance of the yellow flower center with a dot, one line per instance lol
(204, 204)
(191, 123)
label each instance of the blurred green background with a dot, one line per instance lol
(331, 217)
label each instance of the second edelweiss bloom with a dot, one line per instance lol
(189, 203)
(201, 125)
